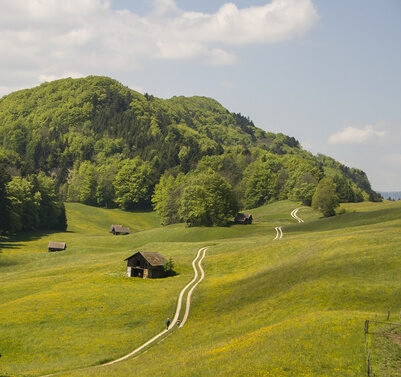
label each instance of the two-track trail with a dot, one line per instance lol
(295, 216)
(196, 265)
(181, 312)
(279, 231)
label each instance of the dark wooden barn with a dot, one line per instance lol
(146, 264)
(56, 246)
(118, 230)
(243, 218)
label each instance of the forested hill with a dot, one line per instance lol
(73, 120)
(105, 144)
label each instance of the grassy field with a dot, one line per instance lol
(289, 307)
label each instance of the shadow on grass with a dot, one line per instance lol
(17, 241)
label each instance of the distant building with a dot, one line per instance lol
(56, 246)
(243, 218)
(118, 230)
(146, 264)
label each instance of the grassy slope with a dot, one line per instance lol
(294, 306)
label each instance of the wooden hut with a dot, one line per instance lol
(146, 264)
(243, 218)
(118, 230)
(56, 246)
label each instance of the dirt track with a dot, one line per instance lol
(279, 231)
(199, 274)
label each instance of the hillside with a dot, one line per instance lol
(96, 137)
(101, 115)
(289, 307)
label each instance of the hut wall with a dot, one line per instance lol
(139, 264)
(157, 272)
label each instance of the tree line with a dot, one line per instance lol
(97, 142)
(29, 203)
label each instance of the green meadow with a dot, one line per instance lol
(295, 306)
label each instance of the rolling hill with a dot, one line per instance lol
(289, 307)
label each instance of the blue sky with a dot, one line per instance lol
(325, 72)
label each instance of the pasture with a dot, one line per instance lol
(289, 307)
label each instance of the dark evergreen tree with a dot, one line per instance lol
(325, 198)
(62, 218)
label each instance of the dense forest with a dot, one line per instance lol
(95, 141)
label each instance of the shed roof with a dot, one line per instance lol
(152, 257)
(57, 245)
(113, 226)
(119, 229)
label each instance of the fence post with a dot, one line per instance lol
(388, 315)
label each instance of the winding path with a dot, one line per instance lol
(194, 282)
(279, 231)
(199, 274)
(294, 215)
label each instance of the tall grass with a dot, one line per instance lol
(289, 307)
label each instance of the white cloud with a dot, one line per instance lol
(271, 23)
(51, 38)
(354, 135)
(165, 7)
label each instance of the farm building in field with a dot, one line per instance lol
(146, 264)
(118, 230)
(56, 246)
(243, 218)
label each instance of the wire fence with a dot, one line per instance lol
(374, 329)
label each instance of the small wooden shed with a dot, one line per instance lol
(243, 218)
(146, 264)
(118, 230)
(56, 246)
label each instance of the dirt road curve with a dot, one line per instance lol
(279, 231)
(294, 215)
(194, 282)
(199, 274)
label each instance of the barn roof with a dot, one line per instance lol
(56, 245)
(152, 257)
(119, 229)
(113, 226)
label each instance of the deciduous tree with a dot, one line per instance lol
(166, 198)
(207, 199)
(325, 198)
(133, 184)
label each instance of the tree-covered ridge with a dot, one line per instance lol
(105, 144)
(77, 119)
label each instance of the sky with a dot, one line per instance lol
(325, 72)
